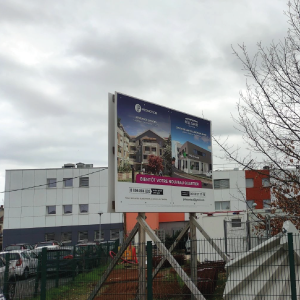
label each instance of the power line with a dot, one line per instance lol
(35, 186)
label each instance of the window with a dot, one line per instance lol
(83, 181)
(222, 205)
(82, 235)
(221, 184)
(266, 203)
(96, 235)
(51, 182)
(236, 223)
(250, 203)
(249, 183)
(196, 165)
(66, 237)
(114, 234)
(68, 182)
(49, 236)
(265, 182)
(83, 208)
(67, 209)
(51, 210)
(153, 149)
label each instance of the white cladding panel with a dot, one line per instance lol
(27, 208)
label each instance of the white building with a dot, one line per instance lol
(58, 204)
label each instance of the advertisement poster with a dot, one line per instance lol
(163, 158)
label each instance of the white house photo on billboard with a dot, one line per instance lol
(162, 157)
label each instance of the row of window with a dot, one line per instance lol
(225, 183)
(67, 209)
(66, 237)
(225, 205)
(68, 182)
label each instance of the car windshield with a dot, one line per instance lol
(44, 244)
(12, 256)
(61, 254)
(14, 247)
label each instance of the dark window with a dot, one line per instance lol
(114, 234)
(67, 209)
(51, 182)
(49, 236)
(82, 236)
(68, 182)
(221, 184)
(236, 223)
(96, 235)
(66, 237)
(83, 208)
(84, 181)
(51, 210)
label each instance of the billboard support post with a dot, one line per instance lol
(193, 251)
(142, 260)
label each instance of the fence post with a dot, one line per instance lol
(149, 271)
(6, 273)
(225, 236)
(44, 273)
(57, 269)
(292, 266)
(38, 274)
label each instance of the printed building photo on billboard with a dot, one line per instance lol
(157, 141)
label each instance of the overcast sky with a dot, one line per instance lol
(60, 59)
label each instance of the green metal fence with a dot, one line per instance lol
(269, 271)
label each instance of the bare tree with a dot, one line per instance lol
(269, 116)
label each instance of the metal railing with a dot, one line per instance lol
(268, 271)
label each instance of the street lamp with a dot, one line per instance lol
(100, 214)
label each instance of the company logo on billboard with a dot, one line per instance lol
(138, 109)
(191, 122)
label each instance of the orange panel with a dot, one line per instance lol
(151, 218)
(171, 217)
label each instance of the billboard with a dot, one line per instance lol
(161, 159)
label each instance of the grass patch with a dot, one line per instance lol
(218, 294)
(79, 288)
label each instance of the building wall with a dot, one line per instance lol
(26, 217)
(258, 192)
(236, 193)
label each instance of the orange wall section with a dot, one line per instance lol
(151, 218)
(258, 193)
(171, 217)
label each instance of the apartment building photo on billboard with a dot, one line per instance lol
(156, 146)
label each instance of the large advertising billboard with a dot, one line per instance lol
(163, 159)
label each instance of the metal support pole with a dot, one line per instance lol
(149, 271)
(100, 213)
(193, 252)
(142, 261)
(292, 266)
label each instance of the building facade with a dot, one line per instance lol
(60, 204)
(193, 159)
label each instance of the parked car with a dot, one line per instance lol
(88, 253)
(25, 265)
(63, 261)
(19, 246)
(11, 287)
(48, 245)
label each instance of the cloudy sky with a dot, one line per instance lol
(59, 60)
